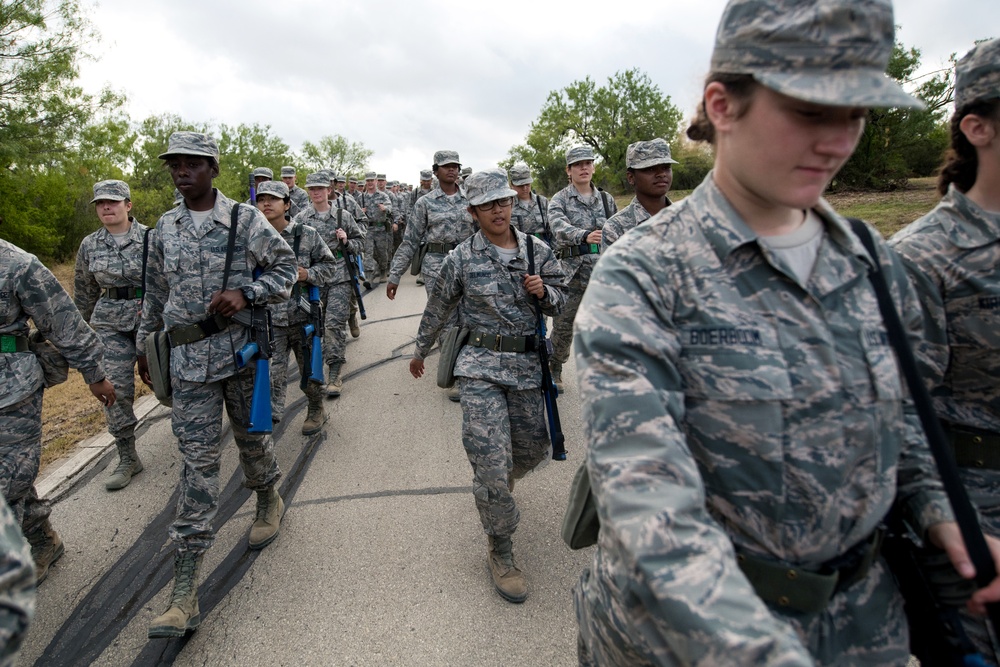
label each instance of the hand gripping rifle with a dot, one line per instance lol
(549, 391)
(352, 269)
(312, 341)
(259, 347)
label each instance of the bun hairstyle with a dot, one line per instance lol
(741, 88)
(961, 163)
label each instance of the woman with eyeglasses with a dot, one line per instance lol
(496, 283)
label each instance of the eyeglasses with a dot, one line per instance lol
(505, 202)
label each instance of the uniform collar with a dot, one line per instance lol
(968, 225)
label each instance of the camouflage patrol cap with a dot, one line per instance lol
(370, 176)
(381, 177)
(340, 178)
(486, 186)
(287, 171)
(831, 52)
(111, 190)
(579, 154)
(326, 173)
(426, 174)
(977, 74)
(273, 188)
(191, 143)
(263, 172)
(317, 179)
(466, 171)
(644, 154)
(520, 174)
(446, 157)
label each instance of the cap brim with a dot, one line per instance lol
(522, 181)
(492, 195)
(652, 162)
(97, 199)
(841, 88)
(164, 156)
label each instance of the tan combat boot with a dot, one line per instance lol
(507, 577)
(315, 418)
(183, 613)
(265, 527)
(46, 548)
(556, 369)
(454, 395)
(336, 384)
(353, 324)
(129, 465)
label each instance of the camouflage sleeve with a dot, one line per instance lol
(677, 565)
(388, 204)
(156, 294)
(17, 586)
(563, 231)
(53, 312)
(86, 291)
(415, 230)
(556, 283)
(269, 252)
(322, 265)
(918, 487)
(932, 351)
(448, 290)
(610, 233)
(355, 235)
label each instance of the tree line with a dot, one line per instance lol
(57, 140)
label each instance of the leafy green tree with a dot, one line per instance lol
(337, 153)
(901, 143)
(629, 108)
(243, 148)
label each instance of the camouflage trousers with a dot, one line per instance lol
(119, 364)
(286, 341)
(862, 625)
(197, 424)
(338, 309)
(17, 588)
(503, 431)
(377, 256)
(983, 487)
(20, 457)
(562, 324)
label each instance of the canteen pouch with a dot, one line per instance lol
(158, 358)
(451, 343)
(581, 524)
(55, 368)
(418, 260)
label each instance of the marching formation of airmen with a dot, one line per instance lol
(743, 410)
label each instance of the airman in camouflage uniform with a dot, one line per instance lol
(440, 220)
(29, 290)
(185, 271)
(345, 201)
(576, 215)
(953, 256)
(425, 188)
(260, 175)
(315, 267)
(300, 200)
(716, 369)
(377, 208)
(503, 425)
(650, 174)
(17, 586)
(530, 209)
(107, 290)
(339, 231)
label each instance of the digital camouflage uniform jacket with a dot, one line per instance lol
(628, 218)
(572, 219)
(527, 216)
(326, 224)
(102, 263)
(437, 218)
(726, 404)
(492, 299)
(300, 200)
(185, 268)
(372, 216)
(29, 290)
(315, 257)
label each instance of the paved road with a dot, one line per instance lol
(381, 558)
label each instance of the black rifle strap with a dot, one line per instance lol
(233, 222)
(296, 240)
(145, 260)
(965, 515)
(604, 200)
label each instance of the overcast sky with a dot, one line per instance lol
(408, 77)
